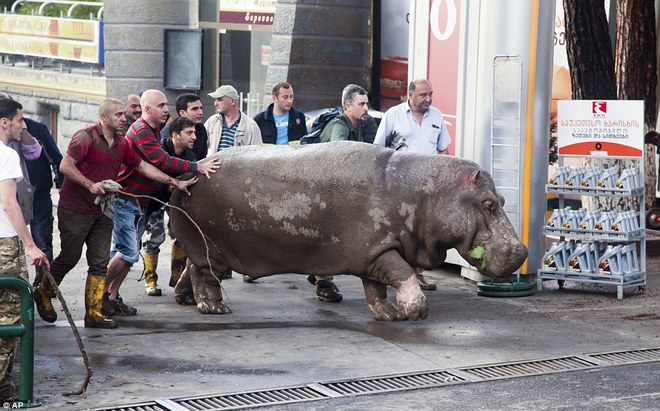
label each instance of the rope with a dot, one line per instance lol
(46, 272)
(205, 238)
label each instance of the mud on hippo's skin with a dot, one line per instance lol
(347, 208)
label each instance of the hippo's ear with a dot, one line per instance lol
(475, 179)
(471, 178)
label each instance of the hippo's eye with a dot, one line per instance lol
(490, 205)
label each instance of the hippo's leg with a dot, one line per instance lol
(183, 291)
(390, 269)
(376, 295)
(207, 292)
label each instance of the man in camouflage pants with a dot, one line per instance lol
(15, 238)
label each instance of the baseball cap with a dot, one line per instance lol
(225, 91)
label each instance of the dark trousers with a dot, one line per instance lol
(41, 226)
(76, 230)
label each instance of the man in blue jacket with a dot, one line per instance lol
(281, 123)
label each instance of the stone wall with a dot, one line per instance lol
(320, 46)
(71, 98)
(134, 42)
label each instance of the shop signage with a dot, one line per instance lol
(49, 37)
(249, 12)
(601, 128)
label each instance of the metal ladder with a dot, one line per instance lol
(505, 133)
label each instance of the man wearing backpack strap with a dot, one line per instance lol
(350, 124)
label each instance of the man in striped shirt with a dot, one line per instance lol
(230, 127)
(129, 221)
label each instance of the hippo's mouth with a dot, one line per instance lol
(497, 265)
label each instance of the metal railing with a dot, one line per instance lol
(73, 4)
(25, 330)
(251, 103)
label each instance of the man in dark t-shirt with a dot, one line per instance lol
(95, 154)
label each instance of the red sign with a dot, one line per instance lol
(444, 36)
(246, 17)
(597, 128)
(599, 108)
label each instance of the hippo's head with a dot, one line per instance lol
(479, 228)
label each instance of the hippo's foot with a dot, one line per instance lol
(411, 300)
(415, 310)
(185, 299)
(383, 310)
(212, 307)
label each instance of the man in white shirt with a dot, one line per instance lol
(15, 238)
(416, 127)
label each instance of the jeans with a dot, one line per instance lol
(129, 225)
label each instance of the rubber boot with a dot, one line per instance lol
(179, 258)
(42, 299)
(423, 284)
(94, 318)
(150, 275)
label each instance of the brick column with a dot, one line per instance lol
(320, 46)
(134, 33)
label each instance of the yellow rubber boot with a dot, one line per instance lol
(42, 300)
(94, 289)
(150, 275)
(179, 258)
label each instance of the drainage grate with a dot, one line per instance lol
(526, 368)
(394, 383)
(145, 406)
(328, 390)
(251, 399)
(629, 357)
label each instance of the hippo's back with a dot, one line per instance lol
(270, 208)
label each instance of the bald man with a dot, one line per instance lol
(144, 137)
(95, 154)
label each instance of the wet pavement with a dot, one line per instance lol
(279, 335)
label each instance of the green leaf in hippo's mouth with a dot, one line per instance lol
(479, 253)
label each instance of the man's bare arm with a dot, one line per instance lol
(13, 212)
(69, 168)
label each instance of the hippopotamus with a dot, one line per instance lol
(346, 208)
